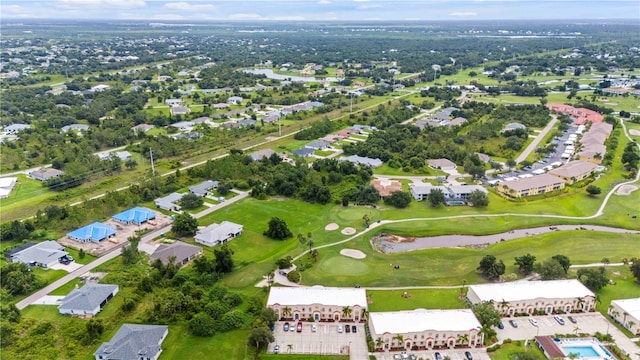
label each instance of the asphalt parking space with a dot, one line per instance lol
(455, 354)
(326, 339)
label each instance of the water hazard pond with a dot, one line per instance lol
(388, 243)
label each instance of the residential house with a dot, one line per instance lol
(426, 329)
(518, 297)
(246, 122)
(462, 192)
(483, 157)
(15, 128)
(99, 88)
(262, 154)
(74, 127)
(122, 155)
(168, 202)
(183, 125)
(216, 234)
(134, 342)
(142, 127)
(180, 252)
(574, 171)
(173, 102)
(220, 106)
(442, 164)
(235, 100)
(318, 302)
(6, 186)
(204, 188)
(421, 191)
(95, 232)
(318, 145)
(45, 174)
(579, 115)
(385, 186)
(179, 110)
(137, 216)
(360, 160)
(513, 126)
(304, 152)
(536, 185)
(626, 312)
(459, 121)
(88, 300)
(43, 254)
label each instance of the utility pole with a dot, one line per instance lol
(153, 170)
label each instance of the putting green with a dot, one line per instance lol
(355, 213)
(341, 265)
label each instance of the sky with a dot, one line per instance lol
(319, 10)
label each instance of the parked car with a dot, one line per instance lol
(299, 327)
(437, 356)
(572, 319)
(533, 321)
(468, 355)
(354, 329)
(513, 323)
(347, 329)
(285, 327)
(396, 357)
(340, 329)
(559, 320)
(500, 326)
(276, 349)
(405, 356)
(314, 328)
(412, 357)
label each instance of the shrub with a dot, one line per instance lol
(293, 276)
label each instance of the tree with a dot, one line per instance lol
(95, 328)
(278, 229)
(191, 201)
(268, 316)
(346, 312)
(223, 259)
(398, 199)
(593, 190)
(491, 267)
(17, 279)
(379, 343)
(202, 324)
(184, 225)
(550, 270)
(525, 263)
(130, 253)
(260, 337)
(635, 269)
(563, 260)
(594, 279)
(478, 199)
(436, 197)
(284, 263)
(487, 314)
(286, 312)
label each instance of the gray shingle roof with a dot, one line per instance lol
(134, 341)
(87, 298)
(180, 250)
(44, 253)
(202, 188)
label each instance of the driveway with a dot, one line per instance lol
(72, 266)
(326, 340)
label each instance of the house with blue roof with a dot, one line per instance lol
(95, 232)
(137, 215)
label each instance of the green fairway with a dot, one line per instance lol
(396, 300)
(339, 265)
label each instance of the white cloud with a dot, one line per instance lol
(185, 6)
(13, 8)
(324, 2)
(463, 13)
(360, 0)
(241, 16)
(369, 6)
(83, 4)
(288, 18)
(166, 17)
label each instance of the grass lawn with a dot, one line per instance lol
(26, 192)
(302, 357)
(393, 300)
(181, 344)
(157, 131)
(451, 266)
(508, 351)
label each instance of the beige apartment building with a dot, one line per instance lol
(318, 302)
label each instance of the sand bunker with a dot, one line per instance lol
(626, 190)
(634, 132)
(348, 231)
(352, 253)
(331, 227)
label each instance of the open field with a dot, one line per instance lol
(508, 351)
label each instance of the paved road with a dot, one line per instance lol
(534, 144)
(117, 251)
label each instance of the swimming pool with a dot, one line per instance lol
(581, 351)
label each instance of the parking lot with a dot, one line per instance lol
(326, 339)
(585, 323)
(455, 354)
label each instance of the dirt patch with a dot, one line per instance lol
(353, 253)
(331, 227)
(634, 132)
(348, 231)
(626, 190)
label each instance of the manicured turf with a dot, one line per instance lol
(181, 344)
(395, 300)
(302, 357)
(509, 351)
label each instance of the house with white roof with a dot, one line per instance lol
(425, 329)
(216, 234)
(442, 164)
(45, 174)
(6, 186)
(43, 254)
(88, 300)
(74, 127)
(134, 341)
(525, 297)
(574, 171)
(626, 312)
(204, 188)
(235, 100)
(539, 184)
(15, 128)
(361, 160)
(169, 202)
(319, 302)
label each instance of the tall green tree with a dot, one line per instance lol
(491, 267)
(184, 225)
(278, 229)
(525, 263)
(436, 197)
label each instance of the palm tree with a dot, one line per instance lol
(579, 303)
(364, 315)
(624, 317)
(379, 343)
(462, 339)
(400, 339)
(504, 304)
(576, 329)
(286, 312)
(573, 356)
(606, 261)
(630, 323)
(346, 312)
(366, 220)
(289, 348)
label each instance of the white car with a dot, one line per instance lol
(533, 321)
(314, 328)
(340, 329)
